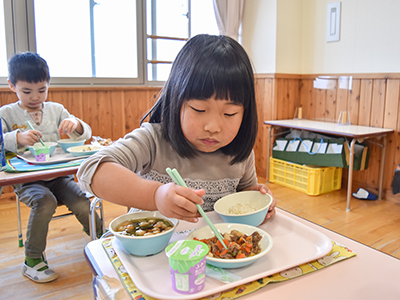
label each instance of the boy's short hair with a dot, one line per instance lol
(209, 66)
(29, 67)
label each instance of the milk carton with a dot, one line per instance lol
(187, 261)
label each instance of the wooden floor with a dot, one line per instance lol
(375, 223)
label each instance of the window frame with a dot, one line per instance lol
(20, 36)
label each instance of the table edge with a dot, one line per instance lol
(383, 131)
(36, 175)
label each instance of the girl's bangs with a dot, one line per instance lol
(223, 80)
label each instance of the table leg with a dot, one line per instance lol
(383, 153)
(20, 240)
(268, 152)
(350, 179)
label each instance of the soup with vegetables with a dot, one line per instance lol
(144, 227)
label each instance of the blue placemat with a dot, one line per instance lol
(15, 165)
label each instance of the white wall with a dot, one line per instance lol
(289, 36)
(369, 37)
(259, 34)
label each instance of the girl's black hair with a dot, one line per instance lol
(29, 67)
(208, 66)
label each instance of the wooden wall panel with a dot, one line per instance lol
(342, 102)
(306, 96)
(265, 109)
(287, 97)
(130, 107)
(378, 103)
(330, 101)
(392, 103)
(319, 96)
(7, 97)
(354, 101)
(365, 102)
(282, 105)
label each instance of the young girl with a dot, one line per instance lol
(204, 125)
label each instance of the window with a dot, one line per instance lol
(167, 33)
(3, 49)
(109, 42)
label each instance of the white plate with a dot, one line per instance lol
(83, 150)
(206, 232)
(58, 156)
(294, 245)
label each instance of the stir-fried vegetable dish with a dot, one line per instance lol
(239, 245)
(144, 227)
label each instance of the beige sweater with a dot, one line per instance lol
(147, 153)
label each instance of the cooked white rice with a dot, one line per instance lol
(240, 209)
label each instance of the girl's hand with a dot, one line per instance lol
(264, 190)
(179, 202)
(28, 138)
(68, 126)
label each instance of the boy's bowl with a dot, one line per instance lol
(68, 143)
(83, 150)
(143, 245)
(247, 207)
(52, 146)
(206, 233)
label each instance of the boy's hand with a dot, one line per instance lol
(68, 126)
(179, 202)
(28, 138)
(264, 190)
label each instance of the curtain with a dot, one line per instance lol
(229, 14)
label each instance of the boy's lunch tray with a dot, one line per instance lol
(294, 244)
(59, 156)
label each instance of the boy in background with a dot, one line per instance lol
(29, 78)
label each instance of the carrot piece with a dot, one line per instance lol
(224, 252)
(233, 244)
(240, 255)
(247, 249)
(219, 244)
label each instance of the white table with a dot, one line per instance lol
(371, 274)
(354, 132)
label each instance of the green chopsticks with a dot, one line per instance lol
(176, 177)
(31, 128)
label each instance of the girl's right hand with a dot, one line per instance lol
(179, 202)
(28, 138)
